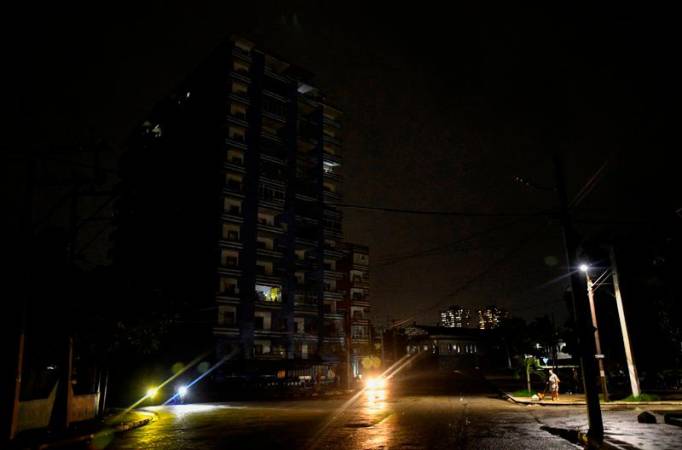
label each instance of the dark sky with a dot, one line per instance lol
(443, 109)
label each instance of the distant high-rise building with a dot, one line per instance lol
(490, 317)
(484, 318)
(354, 266)
(456, 316)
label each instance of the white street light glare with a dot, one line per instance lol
(182, 391)
(584, 267)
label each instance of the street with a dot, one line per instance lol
(407, 422)
(459, 413)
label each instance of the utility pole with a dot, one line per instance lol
(349, 344)
(581, 312)
(597, 341)
(632, 369)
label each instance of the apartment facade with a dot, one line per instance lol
(356, 290)
(250, 149)
(277, 295)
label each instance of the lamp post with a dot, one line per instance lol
(597, 343)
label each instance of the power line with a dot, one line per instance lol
(440, 213)
(395, 258)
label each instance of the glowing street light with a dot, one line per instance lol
(151, 392)
(584, 268)
(182, 391)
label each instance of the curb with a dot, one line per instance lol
(582, 403)
(126, 426)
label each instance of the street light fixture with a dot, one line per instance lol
(151, 392)
(584, 268)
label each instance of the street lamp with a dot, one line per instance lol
(151, 392)
(597, 343)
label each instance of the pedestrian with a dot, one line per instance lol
(554, 385)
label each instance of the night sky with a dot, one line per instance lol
(443, 110)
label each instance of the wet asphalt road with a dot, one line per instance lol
(465, 414)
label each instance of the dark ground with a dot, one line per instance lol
(460, 412)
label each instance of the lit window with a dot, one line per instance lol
(270, 294)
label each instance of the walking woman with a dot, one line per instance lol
(554, 385)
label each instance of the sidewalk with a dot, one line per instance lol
(99, 432)
(579, 399)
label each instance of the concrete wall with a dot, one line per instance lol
(36, 413)
(84, 407)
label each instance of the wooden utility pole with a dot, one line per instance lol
(597, 341)
(632, 369)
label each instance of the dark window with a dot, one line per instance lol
(229, 318)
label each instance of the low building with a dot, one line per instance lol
(450, 348)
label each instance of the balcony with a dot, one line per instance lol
(234, 188)
(331, 157)
(231, 244)
(273, 178)
(241, 76)
(230, 270)
(333, 295)
(269, 227)
(220, 330)
(334, 316)
(275, 76)
(236, 165)
(241, 98)
(277, 205)
(331, 197)
(333, 233)
(271, 137)
(229, 298)
(269, 253)
(276, 116)
(330, 121)
(241, 54)
(331, 252)
(235, 143)
(263, 277)
(275, 96)
(360, 301)
(335, 339)
(332, 175)
(238, 120)
(331, 140)
(332, 274)
(360, 282)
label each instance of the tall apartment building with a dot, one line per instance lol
(490, 317)
(355, 287)
(240, 168)
(456, 316)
